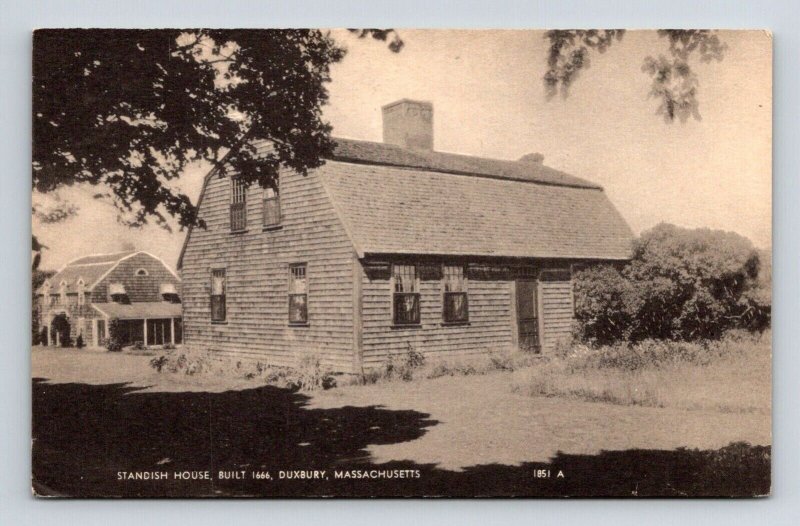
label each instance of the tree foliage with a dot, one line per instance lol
(674, 82)
(680, 284)
(127, 110)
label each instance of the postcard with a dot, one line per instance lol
(401, 263)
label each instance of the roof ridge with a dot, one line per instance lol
(120, 255)
(385, 154)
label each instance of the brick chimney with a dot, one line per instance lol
(409, 124)
(533, 158)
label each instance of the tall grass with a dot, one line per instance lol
(729, 375)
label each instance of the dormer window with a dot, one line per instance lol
(81, 291)
(169, 292)
(117, 292)
(141, 272)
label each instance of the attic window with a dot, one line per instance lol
(272, 207)
(142, 272)
(238, 205)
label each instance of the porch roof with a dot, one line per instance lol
(139, 311)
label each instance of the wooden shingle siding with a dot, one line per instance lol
(257, 276)
(489, 328)
(557, 312)
(491, 325)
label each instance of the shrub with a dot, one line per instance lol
(159, 362)
(681, 284)
(189, 362)
(79, 342)
(138, 346)
(310, 374)
(168, 347)
(114, 340)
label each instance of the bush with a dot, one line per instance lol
(680, 285)
(310, 374)
(138, 346)
(114, 341)
(189, 362)
(79, 342)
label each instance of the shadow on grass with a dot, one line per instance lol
(84, 435)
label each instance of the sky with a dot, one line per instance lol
(489, 100)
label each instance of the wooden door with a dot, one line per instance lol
(527, 315)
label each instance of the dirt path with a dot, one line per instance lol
(482, 422)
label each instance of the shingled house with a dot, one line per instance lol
(135, 288)
(393, 246)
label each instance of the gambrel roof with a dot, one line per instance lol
(394, 200)
(91, 269)
(399, 210)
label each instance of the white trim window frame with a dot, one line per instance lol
(272, 207)
(405, 295)
(218, 295)
(455, 294)
(238, 206)
(298, 294)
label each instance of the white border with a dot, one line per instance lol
(19, 18)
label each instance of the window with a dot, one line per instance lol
(455, 304)
(218, 295)
(62, 293)
(46, 299)
(81, 292)
(272, 207)
(101, 332)
(298, 294)
(141, 272)
(238, 205)
(405, 296)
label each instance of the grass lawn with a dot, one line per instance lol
(98, 413)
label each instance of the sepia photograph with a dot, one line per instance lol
(401, 263)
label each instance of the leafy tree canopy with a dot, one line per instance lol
(127, 110)
(674, 83)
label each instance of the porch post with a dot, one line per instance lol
(172, 330)
(145, 332)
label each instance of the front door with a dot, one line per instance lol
(527, 315)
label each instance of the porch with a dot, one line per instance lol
(148, 323)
